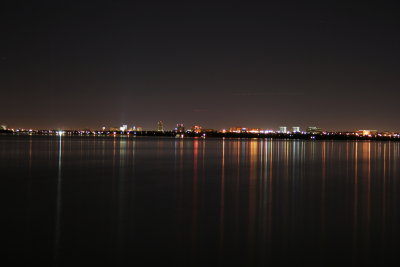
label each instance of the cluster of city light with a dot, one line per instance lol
(198, 130)
(247, 130)
(281, 130)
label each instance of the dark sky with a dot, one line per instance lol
(264, 64)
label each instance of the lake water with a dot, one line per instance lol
(198, 202)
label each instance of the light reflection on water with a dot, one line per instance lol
(196, 201)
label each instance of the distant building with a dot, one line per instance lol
(237, 129)
(197, 129)
(367, 132)
(123, 128)
(180, 128)
(295, 129)
(314, 130)
(139, 129)
(267, 131)
(254, 130)
(3, 127)
(283, 129)
(160, 126)
(388, 134)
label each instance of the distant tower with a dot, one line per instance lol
(160, 126)
(295, 129)
(283, 129)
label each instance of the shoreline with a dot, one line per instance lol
(214, 135)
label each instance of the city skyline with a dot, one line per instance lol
(75, 65)
(196, 128)
(169, 126)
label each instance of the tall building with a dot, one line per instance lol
(123, 128)
(283, 129)
(160, 126)
(295, 129)
(180, 128)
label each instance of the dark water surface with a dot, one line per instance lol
(87, 200)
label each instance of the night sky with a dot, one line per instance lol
(66, 64)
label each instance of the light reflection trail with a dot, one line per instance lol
(58, 205)
(121, 195)
(237, 163)
(195, 196)
(252, 153)
(323, 192)
(28, 199)
(270, 199)
(368, 219)
(383, 236)
(222, 204)
(355, 203)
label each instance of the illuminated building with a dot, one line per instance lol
(388, 134)
(180, 128)
(244, 130)
(197, 129)
(237, 130)
(283, 129)
(266, 131)
(139, 129)
(123, 128)
(366, 132)
(295, 129)
(254, 130)
(160, 126)
(3, 127)
(314, 130)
